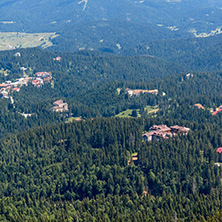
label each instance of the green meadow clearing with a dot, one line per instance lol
(14, 40)
(128, 112)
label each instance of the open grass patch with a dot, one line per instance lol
(128, 113)
(151, 109)
(15, 40)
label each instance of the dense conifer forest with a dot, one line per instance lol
(54, 168)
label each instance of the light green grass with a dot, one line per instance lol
(52, 84)
(118, 90)
(4, 72)
(128, 113)
(71, 119)
(15, 40)
(151, 109)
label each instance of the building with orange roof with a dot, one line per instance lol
(198, 106)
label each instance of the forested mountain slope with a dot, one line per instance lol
(33, 15)
(71, 171)
(85, 68)
(73, 76)
(199, 54)
(110, 36)
(103, 24)
(88, 82)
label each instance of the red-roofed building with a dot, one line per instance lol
(4, 85)
(16, 89)
(37, 82)
(58, 58)
(198, 106)
(217, 111)
(219, 150)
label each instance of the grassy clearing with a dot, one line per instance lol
(4, 72)
(52, 84)
(151, 109)
(15, 40)
(128, 113)
(72, 119)
(118, 90)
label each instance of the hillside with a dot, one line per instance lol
(112, 22)
(110, 36)
(200, 54)
(73, 76)
(81, 171)
(110, 110)
(88, 82)
(37, 16)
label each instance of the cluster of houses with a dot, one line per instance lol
(137, 92)
(41, 78)
(158, 132)
(9, 87)
(60, 106)
(218, 110)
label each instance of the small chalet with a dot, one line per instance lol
(148, 136)
(3, 85)
(5, 94)
(37, 82)
(23, 68)
(16, 89)
(60, 106)
(17, 54)
(198, 106)
(179, 129)
(219, 150)
(189, 75)
(58, 58)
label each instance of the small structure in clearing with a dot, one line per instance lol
(137, 92)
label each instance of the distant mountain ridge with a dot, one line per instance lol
(24, 12)
(71, 18)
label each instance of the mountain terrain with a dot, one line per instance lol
(116, 115)
(111, 25)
